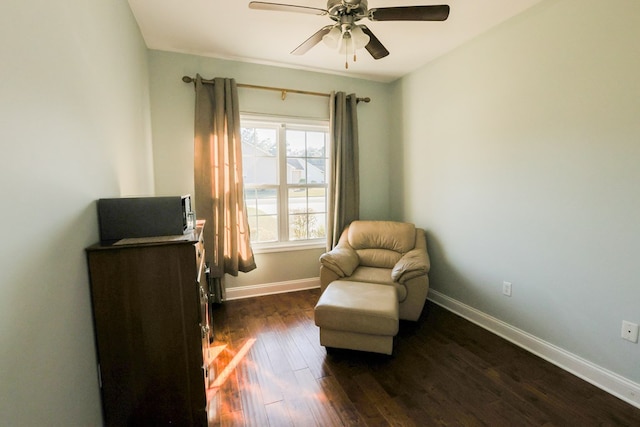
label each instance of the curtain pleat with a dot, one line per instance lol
(219, 197)
(344, 183)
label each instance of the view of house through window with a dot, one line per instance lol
(285, 178)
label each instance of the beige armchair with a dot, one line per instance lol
(386, 253)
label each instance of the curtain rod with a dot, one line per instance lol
(283, 91)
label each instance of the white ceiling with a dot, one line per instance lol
(230, 30)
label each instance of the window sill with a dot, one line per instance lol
(287, 247)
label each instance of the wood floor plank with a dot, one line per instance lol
(278, 415)
(213, 408)
(309, 349)
(368, 412)
(445, 371)
(286, 343)
(266, 379)
(294, 399)
(253, 406)
(341, 403)
(275, 352)
(389, 409)
(229, 392)
(232, 419)
(316, 399)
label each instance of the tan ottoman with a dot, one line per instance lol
(358, 316)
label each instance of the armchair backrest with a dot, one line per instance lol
(381, 243)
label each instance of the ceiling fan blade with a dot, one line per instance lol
(410, 13)
(311, 41)
(374, 47)
(279, 7)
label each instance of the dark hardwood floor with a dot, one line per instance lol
(445, 371)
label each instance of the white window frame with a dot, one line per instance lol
(282, 124)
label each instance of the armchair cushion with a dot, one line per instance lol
(394, 236)
(413, 264)
(380, 276)
(380, 258)
(342, 260)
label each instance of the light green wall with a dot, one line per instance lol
(520, 158)
(517, 152)
(172, 104)
(74, 126)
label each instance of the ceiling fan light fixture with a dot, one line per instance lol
(346, 47)
(360, 39)
(333, 37)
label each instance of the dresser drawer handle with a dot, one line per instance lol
(205, 330)
(203, 294)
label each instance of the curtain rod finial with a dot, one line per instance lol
(187, 79)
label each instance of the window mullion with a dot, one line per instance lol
(283, 211)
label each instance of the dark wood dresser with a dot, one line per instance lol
(152, 330)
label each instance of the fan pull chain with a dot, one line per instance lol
(346, 59)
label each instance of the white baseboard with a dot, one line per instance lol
(240, 292)
(608, 381)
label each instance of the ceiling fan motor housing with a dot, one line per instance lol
(337, 9)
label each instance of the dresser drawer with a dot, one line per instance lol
(200, 265)
(199, 253)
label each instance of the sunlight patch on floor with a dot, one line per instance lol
(219, 381)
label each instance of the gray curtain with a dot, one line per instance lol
(219, 197)
(344, 183)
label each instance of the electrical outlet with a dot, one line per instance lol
(506, 288)
(629, 331)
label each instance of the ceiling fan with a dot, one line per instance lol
(346, 35)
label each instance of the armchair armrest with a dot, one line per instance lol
(412, 264)
(342, 260)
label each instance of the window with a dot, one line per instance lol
(285, 179)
